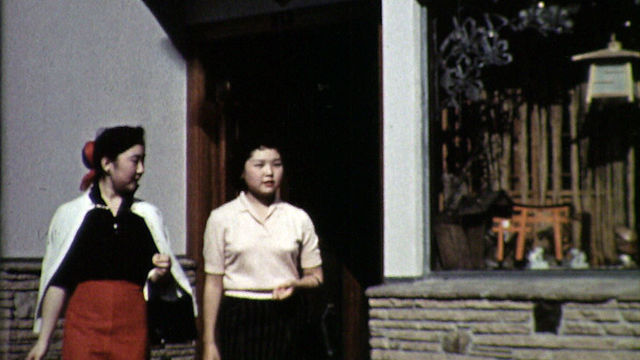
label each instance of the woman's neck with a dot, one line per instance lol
(110, 196)
(260, 204)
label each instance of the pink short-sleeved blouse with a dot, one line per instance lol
(258, 256)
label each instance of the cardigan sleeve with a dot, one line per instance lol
(65, 222)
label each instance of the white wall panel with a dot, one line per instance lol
(68, 68)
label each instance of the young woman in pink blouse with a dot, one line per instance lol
(254, 247)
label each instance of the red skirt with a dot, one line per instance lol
(106, 320)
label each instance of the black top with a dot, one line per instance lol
(107, 247)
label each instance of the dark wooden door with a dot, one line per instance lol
(317, 86)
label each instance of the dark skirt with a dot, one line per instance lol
(259, 329)
(106, 320)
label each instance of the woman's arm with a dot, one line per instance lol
(52, 305)
(210, 306)
(311, 278)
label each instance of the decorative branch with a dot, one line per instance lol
(471, 47)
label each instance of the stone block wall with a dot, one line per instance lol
(482, 319)
(19, 280)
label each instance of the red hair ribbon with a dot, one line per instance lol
(87, 159)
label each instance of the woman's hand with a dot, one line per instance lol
(162, 263)
(210, 351)
(284, 290)
(38, 351)
(312, 278)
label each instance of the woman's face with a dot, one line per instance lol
(126, 170)
(263, 172)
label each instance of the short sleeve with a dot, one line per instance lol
(310, 254)
(213, 247)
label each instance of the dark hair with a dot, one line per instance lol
(112, 142)
(243, 149)
(109, 143)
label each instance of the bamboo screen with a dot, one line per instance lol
(543, 156)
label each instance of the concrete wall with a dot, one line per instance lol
(68, 68)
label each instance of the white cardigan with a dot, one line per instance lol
(65, 224)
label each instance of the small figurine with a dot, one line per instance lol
(536, 259)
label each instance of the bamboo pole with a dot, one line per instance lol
(505, 158)
(597, 211)
(505, 175)
(631, 187)
(632, 181)
(523, 155)
(589, 201)
(535, 153)
(556, 151)
(495, 141)
(445, 150)
(444, 116)
(589, 191)
(576, 198)
(619, 208)
(491, 143)
(543, 160)
(608, 241)
(619, 201)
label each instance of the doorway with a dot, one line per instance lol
(316, 84)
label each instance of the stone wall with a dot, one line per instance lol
(19, 279)
(522, 318)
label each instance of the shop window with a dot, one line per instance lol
(527, 174)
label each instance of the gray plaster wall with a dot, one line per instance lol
(68, 68)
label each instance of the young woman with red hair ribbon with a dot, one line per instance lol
(107, 252)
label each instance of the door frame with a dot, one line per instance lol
(206, 153)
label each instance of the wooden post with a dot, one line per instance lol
(521, 221)
(559, 216)
(199, 193)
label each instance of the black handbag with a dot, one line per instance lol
(171, 321)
